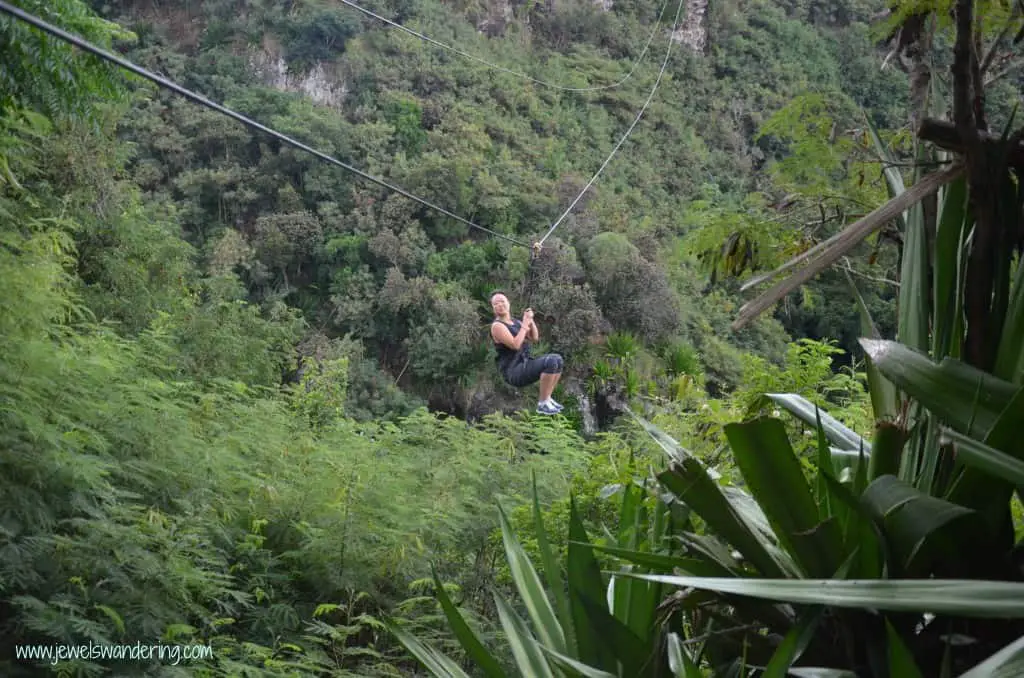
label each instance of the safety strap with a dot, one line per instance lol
(527, 288)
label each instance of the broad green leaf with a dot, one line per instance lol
(926, 475)
(732, 509)
(1009, 363)
(698, 567)
(754, 515)
(962, 597)
(912, 308)
(901, 661)
(890, 167)
(660, 523)
(525, 648)
(979, 455)
(630, 651)
(838, 433)
(530, 589)
(860, 476)
(793, 644)
(825, 467)
(1007, 663)
(553, 574)
(712, 563)
(843, 460)
(1008, 216)
(673, 449)
(679, 661)
(635, 603)
(469, 641)
(978, 489)
(631, 601)
(953, 225)
(918, 526)
(585, 584)
(710, 549)
(861, 534)
(776, 480)
(815, 672)
(576, 668)
(438, 664)
(966, 398)
(629, 516)
(643, 613)
(887, 450)
(883, 393)
(689, 481)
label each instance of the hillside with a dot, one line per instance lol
(230, 368)
(409, 284)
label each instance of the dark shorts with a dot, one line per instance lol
(525, 371)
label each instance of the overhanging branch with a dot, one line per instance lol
(835, 247)
(945, 135)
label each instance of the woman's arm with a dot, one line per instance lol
(500, 334)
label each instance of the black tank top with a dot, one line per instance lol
(506, 355)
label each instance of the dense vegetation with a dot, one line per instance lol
(411, 284)
(227, 365)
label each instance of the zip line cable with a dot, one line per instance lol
(625, 136)
(508, 70)
(198, 98)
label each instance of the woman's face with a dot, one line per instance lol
(499, 302)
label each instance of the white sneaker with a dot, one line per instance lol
(551, 401)
(547, 408)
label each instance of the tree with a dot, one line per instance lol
(38, 70)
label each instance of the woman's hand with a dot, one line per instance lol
(531, 326)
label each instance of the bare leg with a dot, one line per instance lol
(547, 385)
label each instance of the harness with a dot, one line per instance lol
(506, 357)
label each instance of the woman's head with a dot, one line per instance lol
(500, 304)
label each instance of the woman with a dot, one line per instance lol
(511, 340)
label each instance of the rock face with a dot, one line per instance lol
(694, 33)
(496, 17)
(486, 399)
(317, 84)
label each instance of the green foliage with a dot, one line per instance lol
(317, 33)
(476, 142)
(159, 488)
(840, 543)
(320, 394)
(38, 70)
(407, 117)
(682, 359)
(161, 269)
(808, 372)
(816, 154)
(588, 626)
(253, 510)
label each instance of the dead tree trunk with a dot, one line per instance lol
(983, 182)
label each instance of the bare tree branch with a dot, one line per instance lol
(841, 243)
(944, 135)
(1000, 75)
(848, 267)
